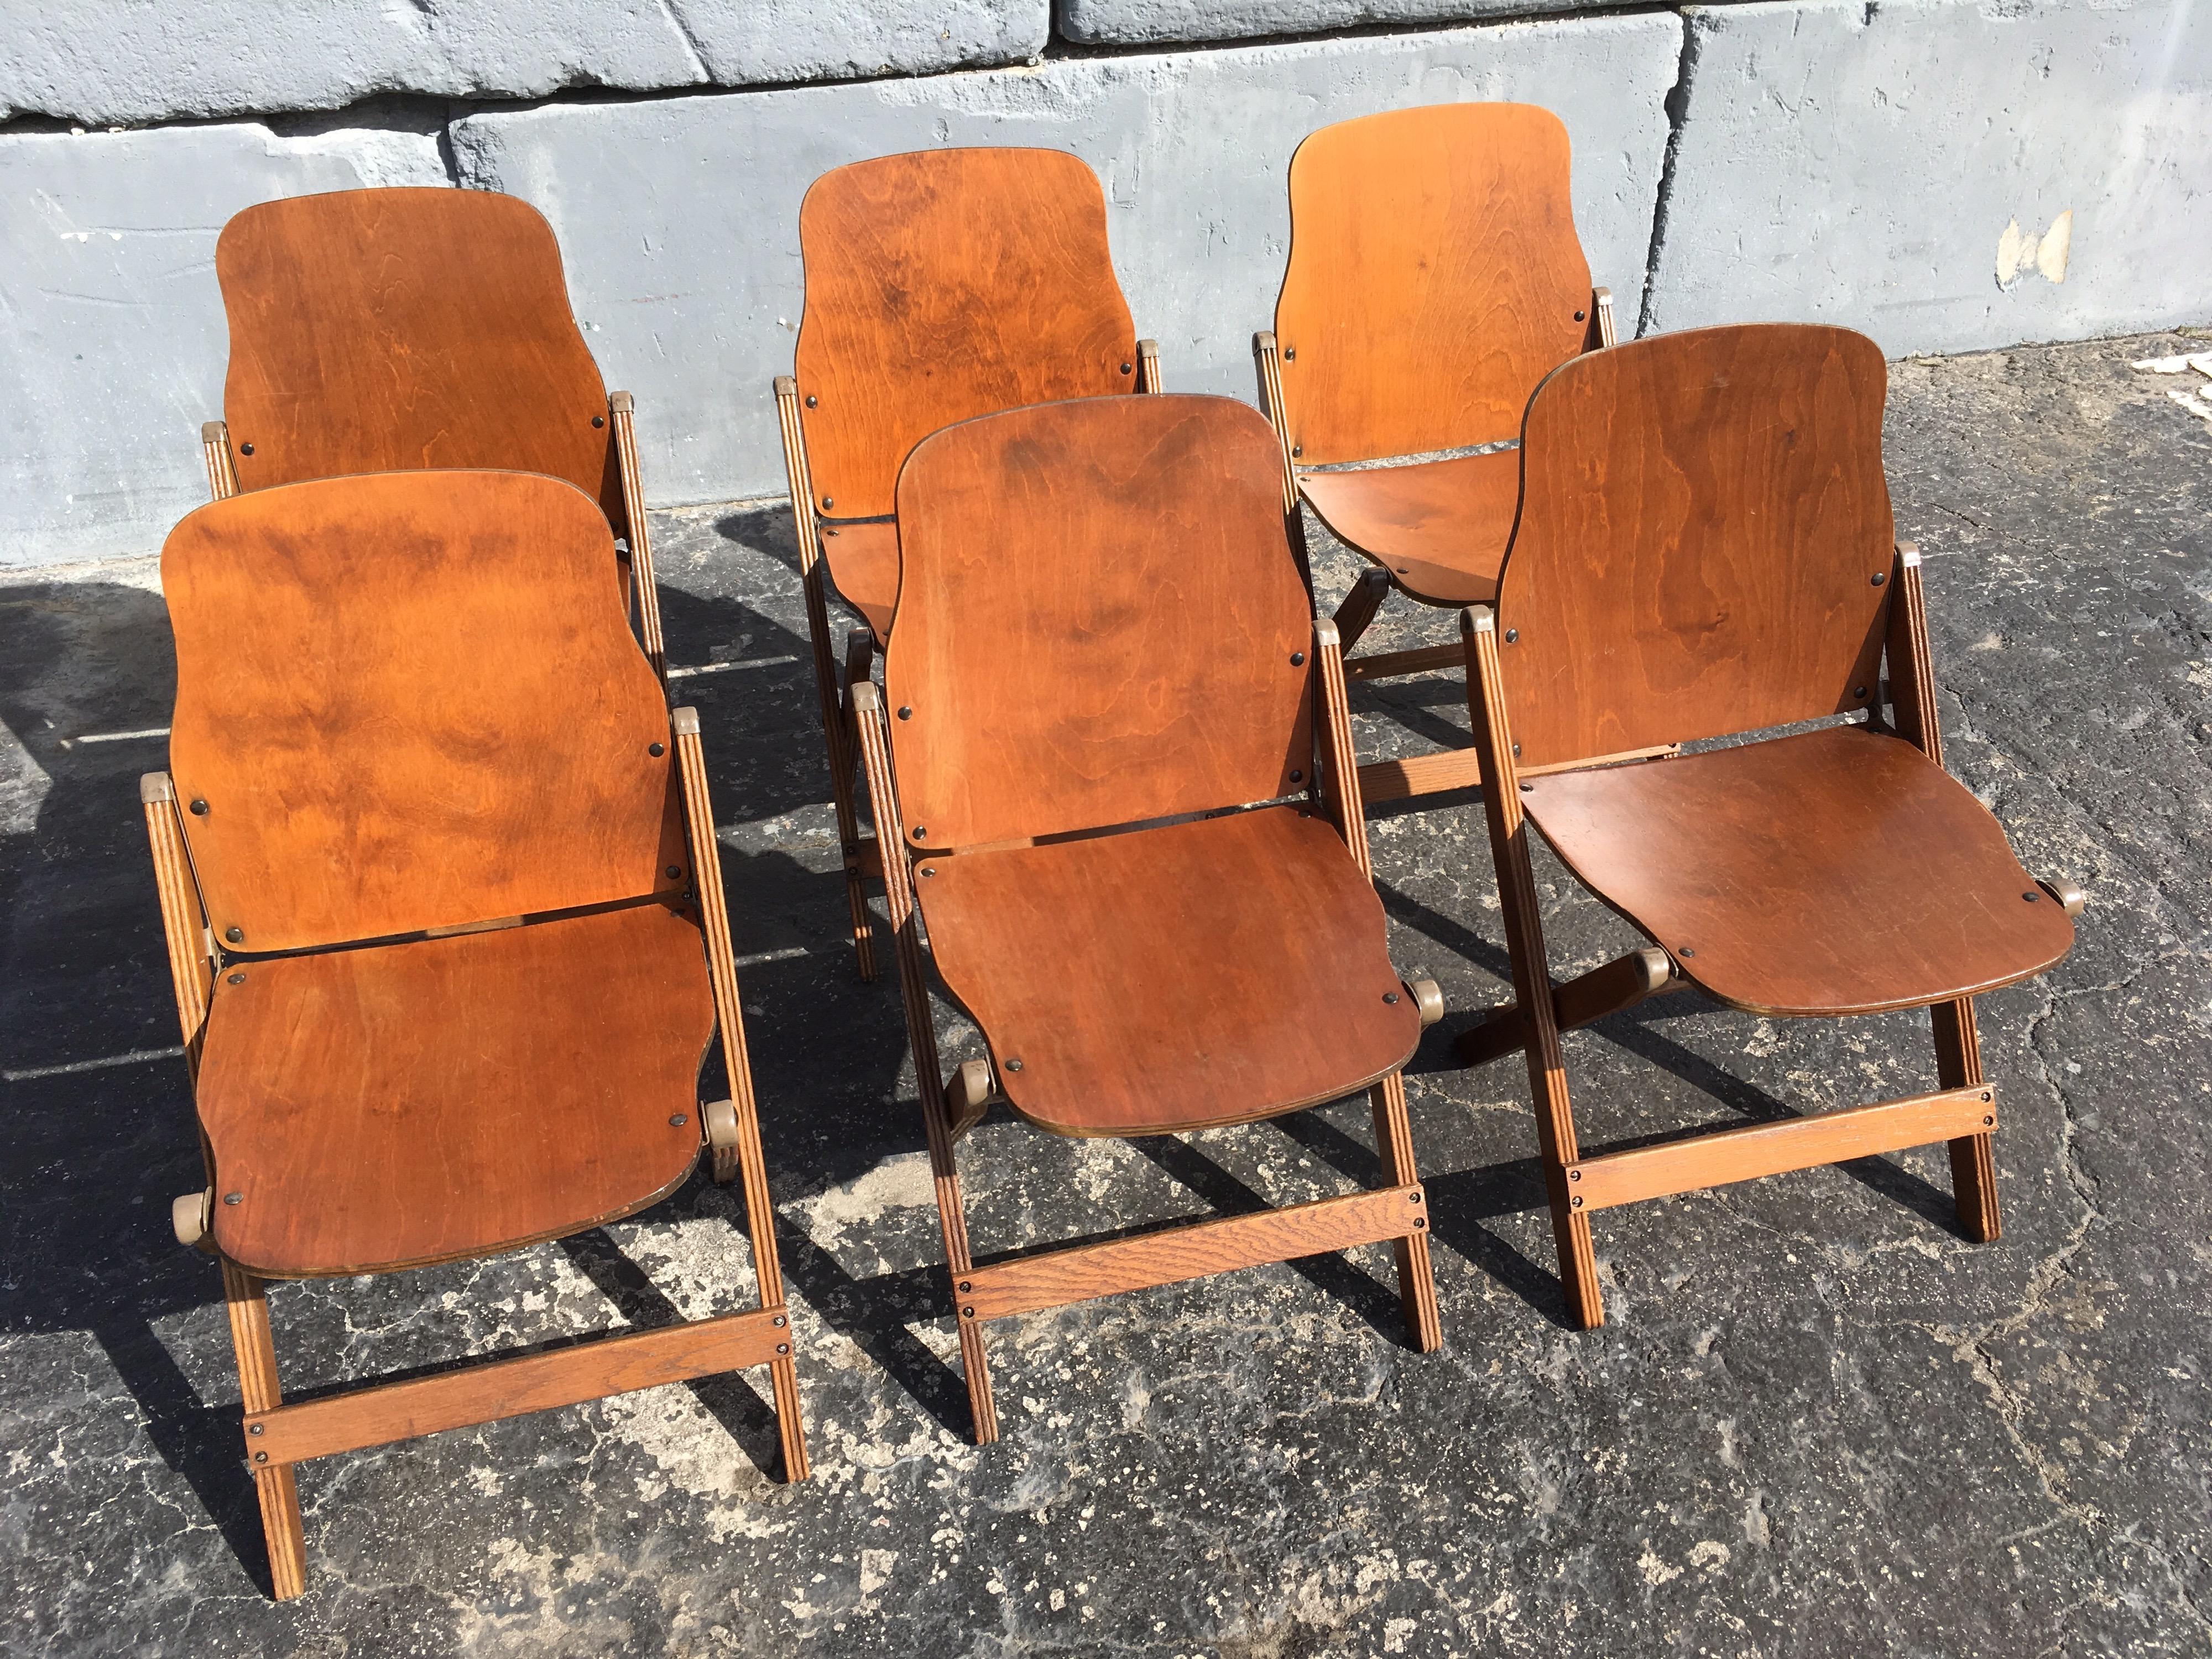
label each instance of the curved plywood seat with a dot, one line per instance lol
(864, 563)
(450, 1097)
(1439, 527)
(1839, 871)
(1232, 969)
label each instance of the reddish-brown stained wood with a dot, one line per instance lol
(1836, 871)
(373, 331)
(498, 1388)
(945, 284)
(864, 563)
(1434, 278)
(1100, 622)
(411, 700)
(452, 1096)
(1055, 1278)
(1204, 973)
(1753, 1150)
(1704, 541)
(1438, 527)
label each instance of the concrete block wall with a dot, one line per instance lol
(1946, 174)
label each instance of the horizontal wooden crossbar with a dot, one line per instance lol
(513, 1388)
(1765, 1149)
(1390, 664)
(1054, 1278)
(1461, 769)
(1606, 989)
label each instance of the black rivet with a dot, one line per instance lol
(235, 935)
(1390, 996)
(245, 449)
(1527, 788)
(1574, 1175)
(1575, 1202)
(1290, 354)
(238, 979)
(928, 869)
(906, 711)
(1516, 751)
(1013, 1065)
(1858, 690)
(783, 1347)
(966, 1285)
(261, 1457)
(811, 400)
(1420, 1222)
(829, 532)
(1298, 777)
(2030, 897)
(1297, 449)
(674, 870)
(1989, 1119)
(1985, 1094)
(599, 420)
(827, 503)
(257, 1428)
(199, 809)
(777, 1322)
(656, 750)
(920, 833)
(1298, 658)
(677, 1120)
(233, 1197)
(1124, 368)
(1878, 578)
(1578, 316)
(967, 1313)
(1512, 635)
(1686, 952)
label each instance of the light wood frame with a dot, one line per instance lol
(1396, 1212)
(279, 1436)
(1418, 774)
(644, 592)
(1963, 1113)
(835, 681)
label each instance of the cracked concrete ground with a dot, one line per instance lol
(1819, 1421)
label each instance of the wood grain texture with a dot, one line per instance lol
(1835, 872)
(1098, 615)
(944, 284)
(491, 1390)
(411, 700)
(1439, 528)
(1704, 519)
(1753, 1150)
(275, 1490)
(449, 1098)
(864, 563)
(1434, 278)
(373, 331)
(1211, 972)
(1054, 1278)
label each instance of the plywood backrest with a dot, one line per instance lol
(410, 700)
(377, 330)
(1100, 621)
(1434, 278)
(1704, 543)
(943, 285)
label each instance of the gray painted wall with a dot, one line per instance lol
(1902, 166)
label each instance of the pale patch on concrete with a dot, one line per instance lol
(2019, 253)
(692, 1450)
(903, 1182)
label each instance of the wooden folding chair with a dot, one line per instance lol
(375, 330)
(1434, 278)
(1705, 551)
(940, 285)
(446, 928)
(1103, 648)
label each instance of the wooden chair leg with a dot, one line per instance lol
(1416, 1282)
(874, 741)
(1532, 988)
(278, 1490)
(1973, 1157)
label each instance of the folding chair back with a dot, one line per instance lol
(446, 724)
(1434, 278)
(1100, 622)
(373, 330)
(942, 285)
(1704, 543)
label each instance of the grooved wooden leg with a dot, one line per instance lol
(1973, 1157)
(257, 1385)
(1416, 1282)
(783, 1377)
